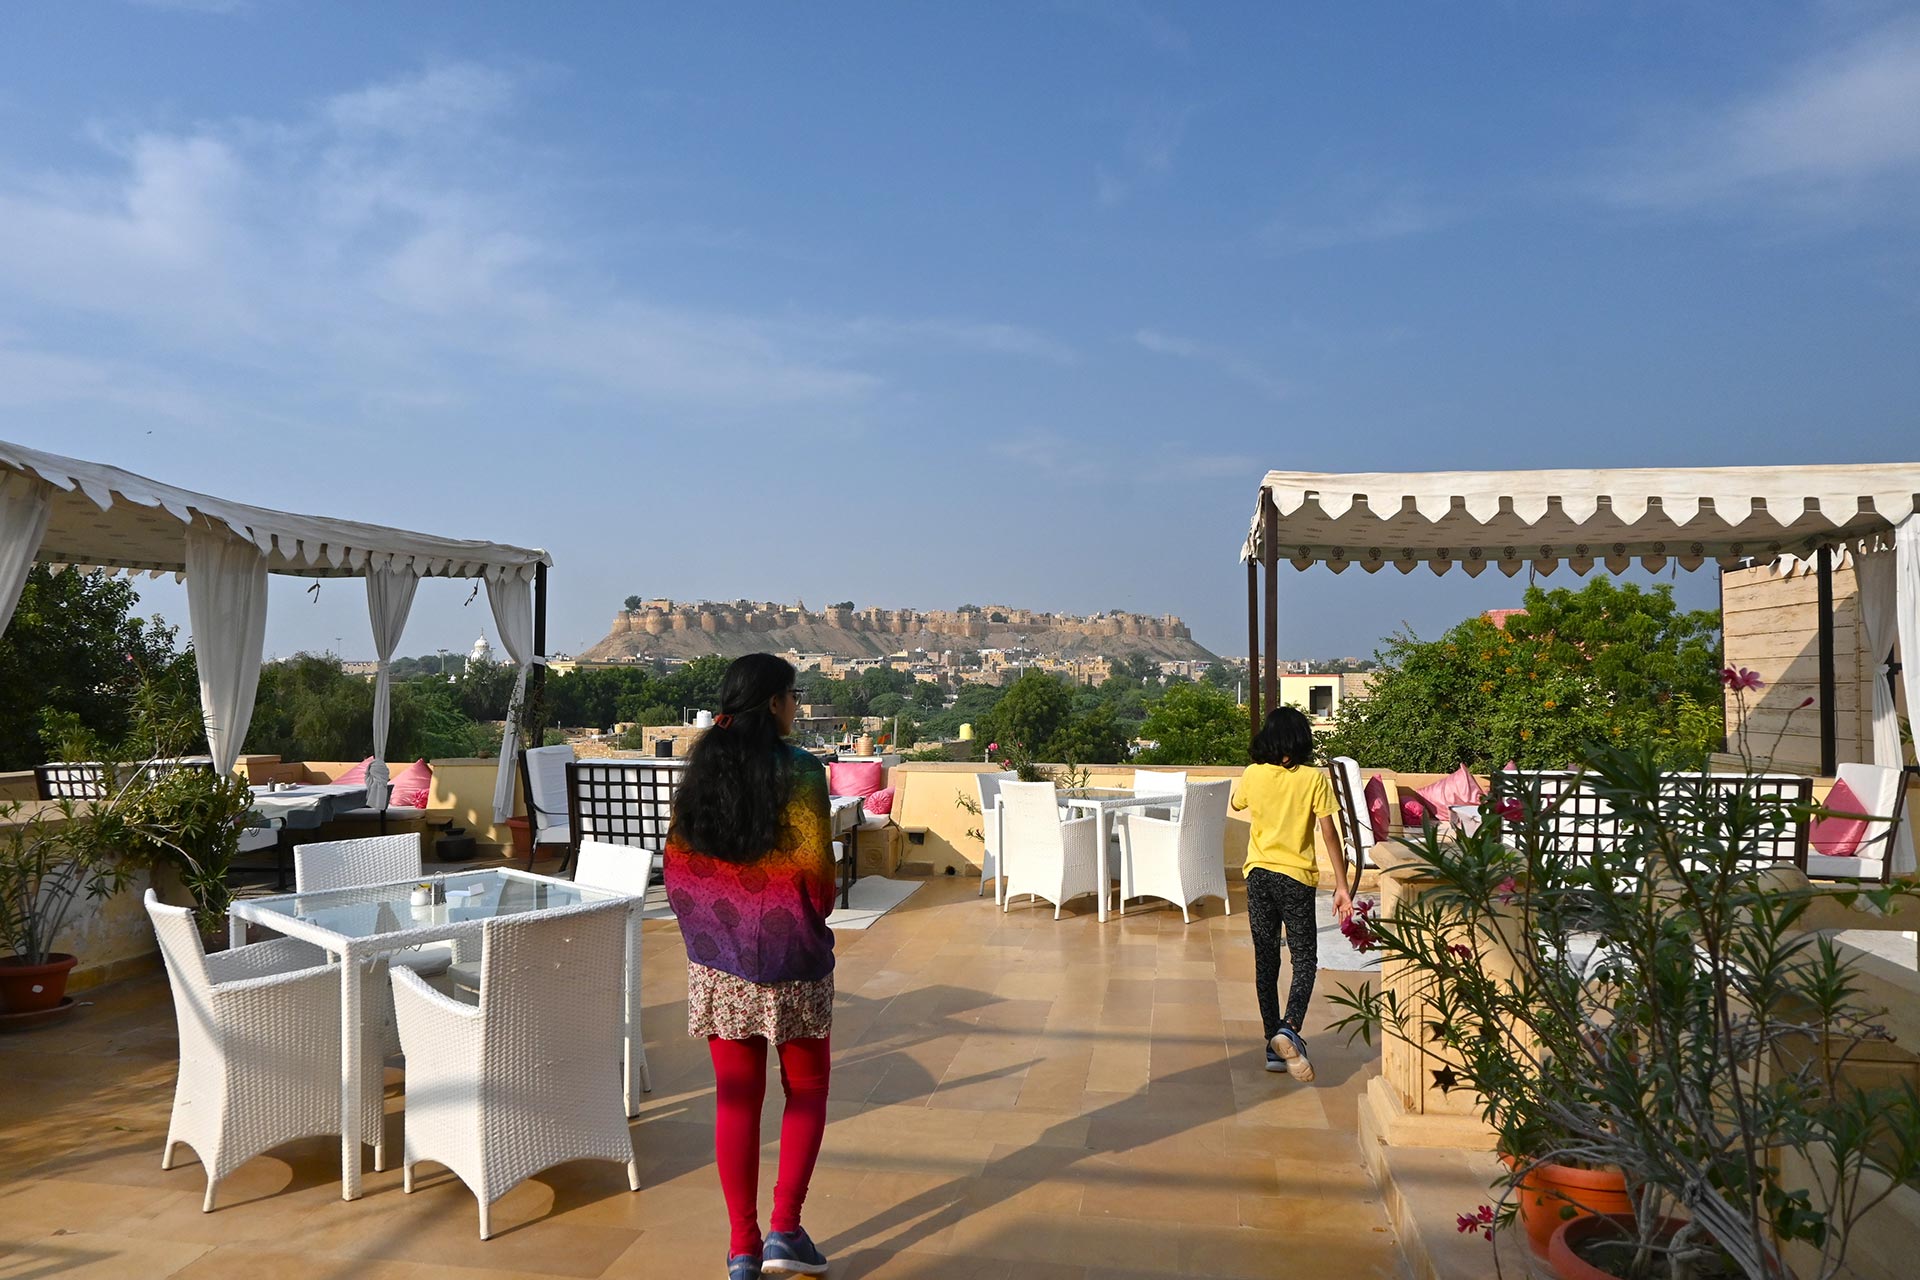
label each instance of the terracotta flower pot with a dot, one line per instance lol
(1554, 1194)
(1563, 1250)
(29, 988)
(522, 832)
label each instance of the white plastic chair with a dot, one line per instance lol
(347, 864)
(1046, 857)
(546, 781)
(989, 784)
(259, 1031)
(1882, 793)
(1180, 859)
(526, 1079)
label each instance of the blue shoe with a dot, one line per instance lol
(1293, 1050)
(743, 1266)
(792, 1251)
(1274, 1061)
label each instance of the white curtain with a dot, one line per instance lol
(1906, 595)
(512, 599)
(227, 605)
(24, 503)
(1878, 579)
(389, 598)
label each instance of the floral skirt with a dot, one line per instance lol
(722, 1004)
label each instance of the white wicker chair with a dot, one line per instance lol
(528, 1078)
(546, 783)
(1882, 794)
(990, 862)
(1160, 782)
(1046, 857)
(346, 864)
(259, 1031)
(622, 868)
(1181, 859)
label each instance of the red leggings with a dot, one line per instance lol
(740, 1087)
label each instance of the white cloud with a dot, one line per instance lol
(1827, 138)
(1389, 217)
(390, 244)
(1231, 363)
(1147, 153)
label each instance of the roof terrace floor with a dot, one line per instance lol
(1012, 1097)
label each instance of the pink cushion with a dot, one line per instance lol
(1377, 814)
(880, 801)
(855, 777)
(356, 776)
(1416, 810)
(1835, 836)
(1458, 787)
(411, 786)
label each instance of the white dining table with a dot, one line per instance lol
(365, 921)
(1103, 803)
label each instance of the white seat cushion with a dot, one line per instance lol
(1821, 866)
(427, 959)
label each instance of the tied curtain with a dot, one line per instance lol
(1878, 576)
(511, 597)
(24, 504)
(227, 605)
(389, 598)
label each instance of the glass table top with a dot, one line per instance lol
(366, 911)
(1110, 793)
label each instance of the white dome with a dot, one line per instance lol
(482, 651)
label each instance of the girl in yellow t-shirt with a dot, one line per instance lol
(1285, 798)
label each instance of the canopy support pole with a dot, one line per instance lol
(1270, 515)
(533, 733)
(1829, 714)
(1253, 646)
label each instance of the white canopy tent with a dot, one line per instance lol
(1729, 516)
(65, 512)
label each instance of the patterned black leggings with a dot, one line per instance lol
(1279, 904)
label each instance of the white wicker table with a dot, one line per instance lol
(360, 923)
(1103, 803)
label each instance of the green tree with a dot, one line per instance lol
(1608, 664)
(1034, 710)
(1090, 737)
(1195, 723)
(72, 663)
(633, 604)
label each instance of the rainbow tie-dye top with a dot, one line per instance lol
(764, 921)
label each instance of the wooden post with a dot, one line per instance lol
(1270, 516)
(1829, 713)
(1253, 644)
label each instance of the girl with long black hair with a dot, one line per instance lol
(1285, 799)
(749, 870)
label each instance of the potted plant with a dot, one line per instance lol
(189, 820)
(48, 863)
(1657, 1009)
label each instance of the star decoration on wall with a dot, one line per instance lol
(1444, 1080)
(1436, 1030)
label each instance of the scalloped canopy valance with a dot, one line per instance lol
(1728, 515)
(104, 518)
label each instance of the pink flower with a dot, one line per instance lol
(1480, 1220)
(1740, 678)
(1805, 703)
(1354, 928)
(1506, 889)
(1510, 810)
(993, 746)
(1460, 950)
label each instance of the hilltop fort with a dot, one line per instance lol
(672, 629)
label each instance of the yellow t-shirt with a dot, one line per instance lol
(1283, 806)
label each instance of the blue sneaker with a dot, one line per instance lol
(743, 1266)
(1274, 1061)
(1293, 1050)
(792, 1251)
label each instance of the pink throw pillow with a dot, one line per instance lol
(1458, 787)
(855, 777)
(1835, 836)
(880, 801)
(1377, 815)
(411, 786)
(356, 776)
(1416, 810)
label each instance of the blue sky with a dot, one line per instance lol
(921, 305)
